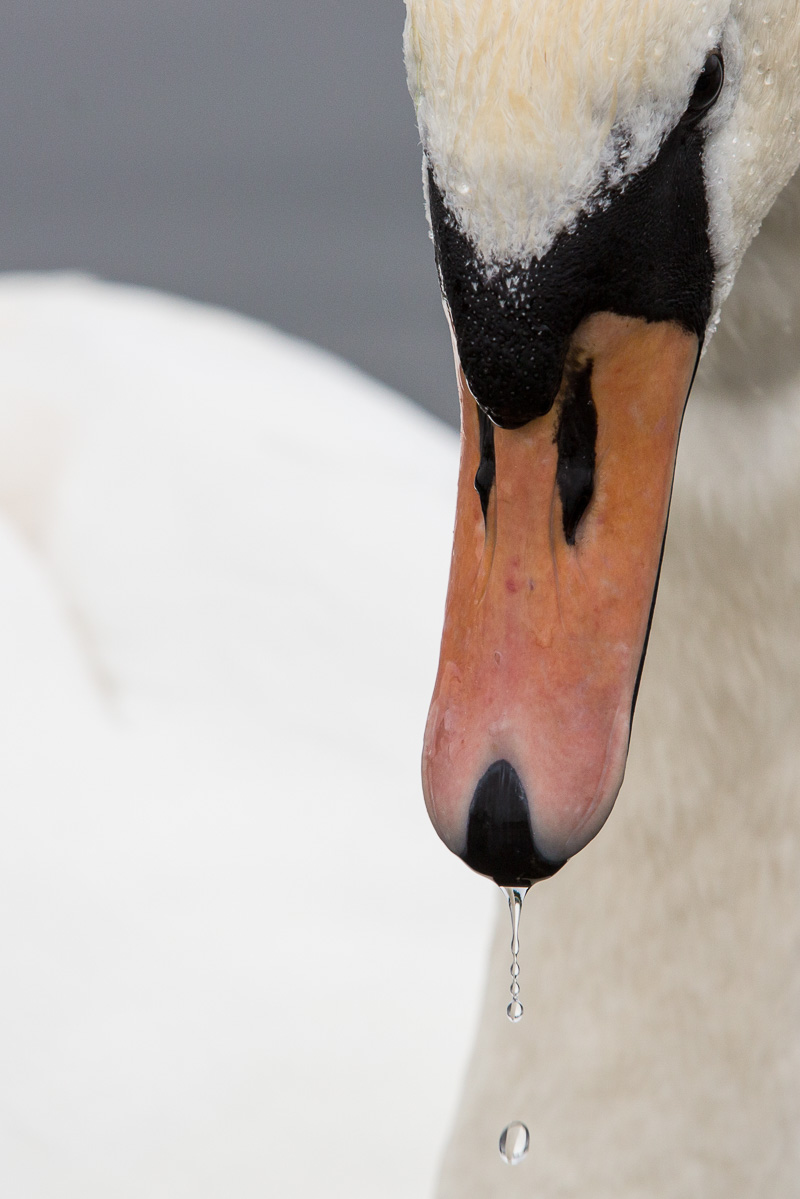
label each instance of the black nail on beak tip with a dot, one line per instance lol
(500, 840)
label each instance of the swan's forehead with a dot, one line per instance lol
(528, 106)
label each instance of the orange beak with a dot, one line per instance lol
(549, 601)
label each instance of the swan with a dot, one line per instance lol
(660, 1052)
(656, 1056)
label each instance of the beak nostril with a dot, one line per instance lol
(500, 840)
(485, 474)
(576, 439)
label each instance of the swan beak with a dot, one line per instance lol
(557, 547)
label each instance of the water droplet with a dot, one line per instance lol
(768, 78)
(515, 1141)
(515, 896)
(758, 49)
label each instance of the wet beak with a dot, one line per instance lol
(557, 546)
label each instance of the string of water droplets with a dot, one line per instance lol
(514, 1139)
(515, 896)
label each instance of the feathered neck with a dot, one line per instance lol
(755, 353)
(739, 458)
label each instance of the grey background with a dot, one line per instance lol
(260, 154)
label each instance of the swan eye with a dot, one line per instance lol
(707, 88)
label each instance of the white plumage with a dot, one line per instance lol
(236, 960)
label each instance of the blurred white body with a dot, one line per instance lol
(659, 1055)
(236, 960)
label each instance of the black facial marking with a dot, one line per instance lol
(500, 842)
(576, 440)
(643, 252)
(484, 476)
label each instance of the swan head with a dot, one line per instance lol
(594, 173)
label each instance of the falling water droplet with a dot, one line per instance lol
(515, 896)
(515, 1141)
